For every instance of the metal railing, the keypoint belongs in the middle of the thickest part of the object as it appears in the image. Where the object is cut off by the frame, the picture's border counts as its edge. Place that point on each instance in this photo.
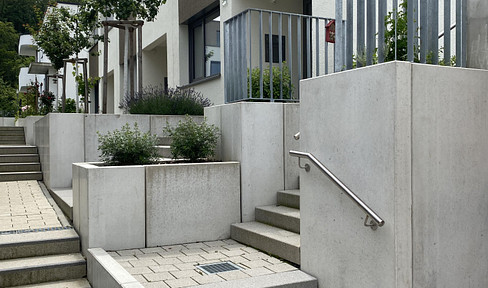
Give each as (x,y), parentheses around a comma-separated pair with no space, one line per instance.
(266,53)
(376,221)
(260,65)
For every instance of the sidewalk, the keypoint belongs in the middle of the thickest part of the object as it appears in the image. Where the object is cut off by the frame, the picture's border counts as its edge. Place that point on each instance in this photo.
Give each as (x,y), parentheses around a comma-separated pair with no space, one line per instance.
(24,208)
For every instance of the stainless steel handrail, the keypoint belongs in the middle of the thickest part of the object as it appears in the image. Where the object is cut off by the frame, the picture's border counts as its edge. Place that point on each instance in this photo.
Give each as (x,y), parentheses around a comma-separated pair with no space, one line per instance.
(376,220)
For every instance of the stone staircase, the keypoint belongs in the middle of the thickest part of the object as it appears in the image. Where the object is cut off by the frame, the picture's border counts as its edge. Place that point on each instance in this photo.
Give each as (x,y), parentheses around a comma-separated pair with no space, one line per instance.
(276,229)
(42,259)
(17,160)
(164,147)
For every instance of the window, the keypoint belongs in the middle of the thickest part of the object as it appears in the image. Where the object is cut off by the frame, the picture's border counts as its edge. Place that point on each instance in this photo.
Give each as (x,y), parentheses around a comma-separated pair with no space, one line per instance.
(205,45)
(276,48)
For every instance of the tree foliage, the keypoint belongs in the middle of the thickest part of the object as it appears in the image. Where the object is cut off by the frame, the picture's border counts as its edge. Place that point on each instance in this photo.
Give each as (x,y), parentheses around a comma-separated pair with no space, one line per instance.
(22,13)
(8,104)
(63,33)
(125,9)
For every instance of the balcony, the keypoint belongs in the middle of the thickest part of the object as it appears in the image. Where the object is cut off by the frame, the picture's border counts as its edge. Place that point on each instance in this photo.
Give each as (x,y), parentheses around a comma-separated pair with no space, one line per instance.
(260,67)
(27,46)
(26,79)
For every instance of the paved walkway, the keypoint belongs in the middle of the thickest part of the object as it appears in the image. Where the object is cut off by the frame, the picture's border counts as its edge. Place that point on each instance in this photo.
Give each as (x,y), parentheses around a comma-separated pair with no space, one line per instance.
(175,266)
(24,207)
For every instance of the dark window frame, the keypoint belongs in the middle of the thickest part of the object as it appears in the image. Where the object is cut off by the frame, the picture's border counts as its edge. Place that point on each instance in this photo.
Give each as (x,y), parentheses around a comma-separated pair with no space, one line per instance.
(194,22)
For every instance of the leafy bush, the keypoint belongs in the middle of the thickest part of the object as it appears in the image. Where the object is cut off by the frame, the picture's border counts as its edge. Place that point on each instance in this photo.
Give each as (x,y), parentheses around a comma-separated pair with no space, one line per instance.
(287,86)
(127,146)
(69,106)
(193,141)
(161,101)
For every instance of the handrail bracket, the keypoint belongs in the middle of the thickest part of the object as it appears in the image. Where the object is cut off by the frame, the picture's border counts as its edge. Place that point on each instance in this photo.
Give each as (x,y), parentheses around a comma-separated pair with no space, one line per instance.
(306,167)
(372,224)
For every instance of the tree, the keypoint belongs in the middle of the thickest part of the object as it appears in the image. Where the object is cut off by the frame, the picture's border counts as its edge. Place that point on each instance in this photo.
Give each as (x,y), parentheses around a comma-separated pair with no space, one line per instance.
(21,13)
(8,104)
(10,61)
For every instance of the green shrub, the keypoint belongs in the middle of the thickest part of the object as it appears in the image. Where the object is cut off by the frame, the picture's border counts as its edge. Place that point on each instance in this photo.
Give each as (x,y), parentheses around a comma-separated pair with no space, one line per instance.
(128,146)
(287,86)
(193,141)
(160,101)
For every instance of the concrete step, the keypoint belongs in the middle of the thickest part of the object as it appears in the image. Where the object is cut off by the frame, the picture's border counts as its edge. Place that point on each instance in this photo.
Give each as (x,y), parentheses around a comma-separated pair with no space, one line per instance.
(39,244)
(32,270)
(19,158)
(273,240)
(165,141)
(20,176)
(11,129)
(12,140)
(18,149)
(75,283)
(64,198)
(279,216)
(164,151)
(289,198)
(19,167)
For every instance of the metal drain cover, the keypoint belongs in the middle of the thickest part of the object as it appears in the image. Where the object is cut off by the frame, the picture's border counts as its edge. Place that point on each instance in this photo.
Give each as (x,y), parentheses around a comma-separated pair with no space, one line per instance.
(218,267)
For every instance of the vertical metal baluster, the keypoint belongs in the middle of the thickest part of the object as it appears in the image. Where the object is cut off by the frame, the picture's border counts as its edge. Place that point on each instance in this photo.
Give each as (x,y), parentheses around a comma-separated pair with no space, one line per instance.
(243,71)
(231,53)
(309,50)
(226,58)
(270,41)
(447,32)
(344,26)
(370,31)
(326,57)
(261,54)
(290,60)
(299,47)
(317,48)
(349,33)
(395,16)
(416,28)
(464,31)
(237,63)
(280,52)
(249,69)
(360,31)
(410,32)
(338,49)
(423,31)
(434,40)
(381,30)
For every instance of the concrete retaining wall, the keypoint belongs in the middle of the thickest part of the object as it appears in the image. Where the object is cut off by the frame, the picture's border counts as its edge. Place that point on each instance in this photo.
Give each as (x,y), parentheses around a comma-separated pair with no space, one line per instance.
(126,207)
(410,140)
(259,136)
(64,139)
(7,121)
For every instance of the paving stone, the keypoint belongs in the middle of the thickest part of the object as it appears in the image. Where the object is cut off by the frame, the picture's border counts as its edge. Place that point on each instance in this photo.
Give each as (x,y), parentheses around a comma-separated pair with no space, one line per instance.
(165,261)
(230,241)
(257,271)
(125,264)
(283,267)
(233,275)
(184,274)
(213,256)
(152,256)
(138,270)
(256,256)
(215,243)
(189,252)
(255,263)
(171,253)
(153,277)
(139,263)
(232,253)
(193,258)
(186,266)
(174,247)
(214,249)
(207,279)
(163,268)
(184,282)
(195,245)
(129,252)
(152,250)
(234,246)
(140,278)
(159,284)
(237,259)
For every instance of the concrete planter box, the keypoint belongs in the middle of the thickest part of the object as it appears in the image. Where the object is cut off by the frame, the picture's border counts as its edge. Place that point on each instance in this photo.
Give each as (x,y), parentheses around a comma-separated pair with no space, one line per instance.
(108,206)
(125,207)
(191,202)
